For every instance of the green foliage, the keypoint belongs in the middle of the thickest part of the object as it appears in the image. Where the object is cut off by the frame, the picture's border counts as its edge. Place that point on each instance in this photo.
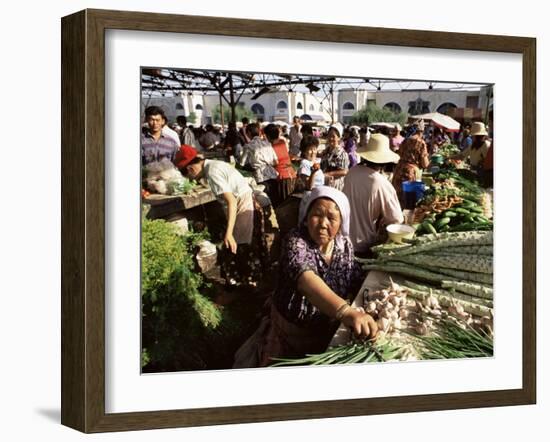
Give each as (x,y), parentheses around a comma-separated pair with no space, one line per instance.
(180,187)
(374,114)
(145,359)
(192,118)
(240,113)
(176,316)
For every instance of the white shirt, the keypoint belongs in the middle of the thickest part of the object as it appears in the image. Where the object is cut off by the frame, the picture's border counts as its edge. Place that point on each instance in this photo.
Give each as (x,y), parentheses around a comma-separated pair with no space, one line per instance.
(477,156)
(188,137)
(262,158)
(305,169)
(295,139)
(171,133)
(374,204)
(224,178)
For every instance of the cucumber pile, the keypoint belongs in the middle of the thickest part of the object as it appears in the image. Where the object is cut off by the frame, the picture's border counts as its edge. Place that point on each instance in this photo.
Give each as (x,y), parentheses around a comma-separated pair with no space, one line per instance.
(465,210)
(465,216)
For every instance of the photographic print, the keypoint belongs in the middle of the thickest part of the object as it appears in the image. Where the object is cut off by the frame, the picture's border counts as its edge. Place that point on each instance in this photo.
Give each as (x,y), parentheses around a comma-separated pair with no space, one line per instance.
(294,220)
(289,217)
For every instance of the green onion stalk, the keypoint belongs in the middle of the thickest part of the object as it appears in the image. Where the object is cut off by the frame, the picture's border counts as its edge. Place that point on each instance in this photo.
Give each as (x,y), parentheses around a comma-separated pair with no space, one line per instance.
(353,352)
(454,341)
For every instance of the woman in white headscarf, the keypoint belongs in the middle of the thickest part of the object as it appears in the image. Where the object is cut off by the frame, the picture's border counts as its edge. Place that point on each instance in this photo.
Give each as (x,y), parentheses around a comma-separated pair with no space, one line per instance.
(318,278)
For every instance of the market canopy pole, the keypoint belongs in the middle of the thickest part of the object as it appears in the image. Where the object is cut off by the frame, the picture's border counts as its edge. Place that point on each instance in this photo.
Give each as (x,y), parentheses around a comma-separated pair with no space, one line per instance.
(232,103)
(332,103)
(489,95)
(221,109)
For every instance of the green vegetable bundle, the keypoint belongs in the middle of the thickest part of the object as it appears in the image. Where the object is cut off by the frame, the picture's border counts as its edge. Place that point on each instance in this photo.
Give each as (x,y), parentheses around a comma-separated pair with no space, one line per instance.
(180,187)
(466,216)
(176,316)
(454,341)
(448,150)
(470,214)
(352,353)
(427,258)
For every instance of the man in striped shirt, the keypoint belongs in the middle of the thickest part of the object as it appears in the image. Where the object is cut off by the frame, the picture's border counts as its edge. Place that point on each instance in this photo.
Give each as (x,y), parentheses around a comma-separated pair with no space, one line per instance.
(155,145)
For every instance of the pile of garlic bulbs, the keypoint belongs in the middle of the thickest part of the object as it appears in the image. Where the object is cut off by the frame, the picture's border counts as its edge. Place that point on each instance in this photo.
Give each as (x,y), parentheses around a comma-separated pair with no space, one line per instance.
(390,308)
(395,309)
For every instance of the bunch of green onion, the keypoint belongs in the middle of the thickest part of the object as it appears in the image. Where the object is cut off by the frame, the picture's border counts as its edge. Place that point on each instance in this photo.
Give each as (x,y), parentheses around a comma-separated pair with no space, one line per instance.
(380,350)
(454,341)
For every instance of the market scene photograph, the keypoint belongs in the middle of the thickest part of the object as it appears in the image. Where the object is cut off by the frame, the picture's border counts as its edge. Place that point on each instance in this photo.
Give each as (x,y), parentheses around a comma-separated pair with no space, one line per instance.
(295,220)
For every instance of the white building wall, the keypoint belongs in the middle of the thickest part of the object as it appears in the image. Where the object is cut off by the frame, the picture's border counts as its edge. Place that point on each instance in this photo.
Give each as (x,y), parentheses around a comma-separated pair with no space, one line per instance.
(271,113)
(269,103)
(168,104)
(435,98)
(355,99)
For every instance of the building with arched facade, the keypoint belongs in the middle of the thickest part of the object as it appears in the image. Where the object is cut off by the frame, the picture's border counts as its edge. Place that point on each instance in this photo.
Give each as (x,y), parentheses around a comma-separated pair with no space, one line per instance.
(284,105)
(276,106)
(460,104)
(181,104)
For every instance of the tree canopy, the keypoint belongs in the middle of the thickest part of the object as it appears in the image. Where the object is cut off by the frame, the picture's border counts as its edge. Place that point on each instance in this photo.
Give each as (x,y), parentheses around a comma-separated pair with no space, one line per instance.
(240,113)
(375,114)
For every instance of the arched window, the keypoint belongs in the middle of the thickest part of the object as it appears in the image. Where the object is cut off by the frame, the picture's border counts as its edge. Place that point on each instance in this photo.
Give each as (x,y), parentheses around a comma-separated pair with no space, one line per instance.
(348,106)
(446,107)
(311,107)
(282,105)
(198,107)
(179,106)
(258,109)
(394,107)
(419,106)
(299,106)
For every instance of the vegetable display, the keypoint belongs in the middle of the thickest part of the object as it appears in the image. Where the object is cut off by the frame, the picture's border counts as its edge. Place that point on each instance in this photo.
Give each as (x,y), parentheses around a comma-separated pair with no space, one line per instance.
(414,323)
(175,312)
(448,150)
(427,258)
(454,341)
(351,353)
(443,304)
(454,202)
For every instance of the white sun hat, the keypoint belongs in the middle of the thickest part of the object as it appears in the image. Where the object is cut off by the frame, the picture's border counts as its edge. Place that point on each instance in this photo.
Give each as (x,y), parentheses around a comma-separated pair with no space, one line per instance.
(378,150)
(478,128)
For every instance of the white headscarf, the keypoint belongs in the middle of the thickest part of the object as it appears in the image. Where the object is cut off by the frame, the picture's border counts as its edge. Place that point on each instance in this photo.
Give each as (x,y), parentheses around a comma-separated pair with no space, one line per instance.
(335,195)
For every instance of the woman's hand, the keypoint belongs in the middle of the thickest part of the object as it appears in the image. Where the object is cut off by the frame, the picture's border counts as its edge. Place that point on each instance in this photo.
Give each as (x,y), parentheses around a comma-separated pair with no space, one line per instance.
(230,243)
(229,240)
(362,324)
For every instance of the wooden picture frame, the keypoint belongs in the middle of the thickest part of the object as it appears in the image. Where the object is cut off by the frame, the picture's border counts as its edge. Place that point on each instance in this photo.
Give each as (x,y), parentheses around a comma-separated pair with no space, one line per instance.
(83,216)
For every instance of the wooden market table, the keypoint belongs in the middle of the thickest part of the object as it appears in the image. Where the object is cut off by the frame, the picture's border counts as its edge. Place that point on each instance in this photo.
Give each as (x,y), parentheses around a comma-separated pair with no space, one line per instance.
(165,205)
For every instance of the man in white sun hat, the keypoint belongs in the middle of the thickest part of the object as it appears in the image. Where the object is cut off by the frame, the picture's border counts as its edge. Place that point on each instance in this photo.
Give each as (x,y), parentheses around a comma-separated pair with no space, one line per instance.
(373,200)
(477,151)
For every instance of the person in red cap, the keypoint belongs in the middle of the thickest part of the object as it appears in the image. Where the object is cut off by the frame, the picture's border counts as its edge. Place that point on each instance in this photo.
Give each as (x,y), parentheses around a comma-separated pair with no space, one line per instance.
(245,253)
(184,156)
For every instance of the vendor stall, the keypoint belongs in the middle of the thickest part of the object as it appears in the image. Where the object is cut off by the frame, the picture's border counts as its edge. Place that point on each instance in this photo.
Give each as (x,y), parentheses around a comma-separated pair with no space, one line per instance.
(439,120)
(431,294)
(163,206)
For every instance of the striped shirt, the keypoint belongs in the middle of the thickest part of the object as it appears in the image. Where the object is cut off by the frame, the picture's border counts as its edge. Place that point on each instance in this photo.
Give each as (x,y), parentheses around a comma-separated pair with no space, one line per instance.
(156,150)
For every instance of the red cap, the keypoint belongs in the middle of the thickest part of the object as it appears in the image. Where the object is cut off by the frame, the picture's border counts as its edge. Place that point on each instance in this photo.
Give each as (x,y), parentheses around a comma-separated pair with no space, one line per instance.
(184,156)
